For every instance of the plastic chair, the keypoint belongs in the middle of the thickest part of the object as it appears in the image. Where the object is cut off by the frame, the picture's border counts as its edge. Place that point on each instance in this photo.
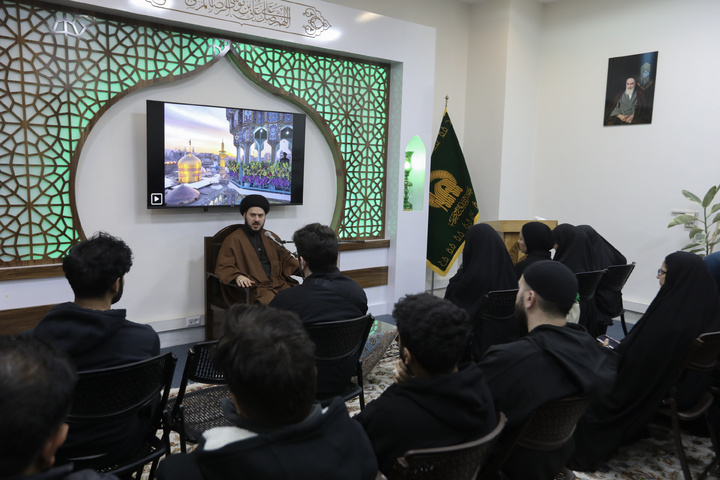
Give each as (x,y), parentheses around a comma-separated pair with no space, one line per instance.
(114,394)
(215,304)
(194,412)
(614,280)
(495,325)
(547,429)
(340,342)
(457,462)
(702,357)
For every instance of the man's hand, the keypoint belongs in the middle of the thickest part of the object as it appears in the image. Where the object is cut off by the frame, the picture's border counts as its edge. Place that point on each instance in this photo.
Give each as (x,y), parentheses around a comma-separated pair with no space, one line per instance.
(402,372)
(622,118)
(630,118)
(243,281)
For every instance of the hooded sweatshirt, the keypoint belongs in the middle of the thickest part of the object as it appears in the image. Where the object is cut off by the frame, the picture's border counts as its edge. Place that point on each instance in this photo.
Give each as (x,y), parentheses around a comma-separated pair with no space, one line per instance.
(97,339)
(427,413)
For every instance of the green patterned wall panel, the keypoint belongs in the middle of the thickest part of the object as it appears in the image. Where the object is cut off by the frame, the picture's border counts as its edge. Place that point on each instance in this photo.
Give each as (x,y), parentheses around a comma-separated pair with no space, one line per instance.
(61,70)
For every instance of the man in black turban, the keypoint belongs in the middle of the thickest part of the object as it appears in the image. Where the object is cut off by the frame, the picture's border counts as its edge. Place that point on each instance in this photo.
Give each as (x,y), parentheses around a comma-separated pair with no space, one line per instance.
(254,257)
(554,360)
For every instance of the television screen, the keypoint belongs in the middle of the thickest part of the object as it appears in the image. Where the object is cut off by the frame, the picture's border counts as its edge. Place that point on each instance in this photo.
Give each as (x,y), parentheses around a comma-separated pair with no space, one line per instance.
(205,156)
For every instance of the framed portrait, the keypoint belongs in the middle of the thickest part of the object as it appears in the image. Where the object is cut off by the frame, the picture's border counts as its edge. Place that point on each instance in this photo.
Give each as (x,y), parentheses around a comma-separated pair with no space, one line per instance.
(630,91)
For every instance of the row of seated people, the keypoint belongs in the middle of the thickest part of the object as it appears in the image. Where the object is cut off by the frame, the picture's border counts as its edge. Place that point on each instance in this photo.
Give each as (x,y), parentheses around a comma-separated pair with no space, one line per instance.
(102,253)
(486,266)
(281,431)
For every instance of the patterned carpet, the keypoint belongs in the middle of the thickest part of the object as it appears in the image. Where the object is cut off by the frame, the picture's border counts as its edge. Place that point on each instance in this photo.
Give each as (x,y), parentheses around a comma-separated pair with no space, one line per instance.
(650,459)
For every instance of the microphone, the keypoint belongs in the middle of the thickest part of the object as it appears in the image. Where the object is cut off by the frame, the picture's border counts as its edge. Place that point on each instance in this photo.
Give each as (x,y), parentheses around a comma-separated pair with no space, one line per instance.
(279,242)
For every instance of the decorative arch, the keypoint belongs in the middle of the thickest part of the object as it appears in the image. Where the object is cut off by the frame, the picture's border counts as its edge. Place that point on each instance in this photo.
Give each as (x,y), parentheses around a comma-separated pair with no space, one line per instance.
(66,68)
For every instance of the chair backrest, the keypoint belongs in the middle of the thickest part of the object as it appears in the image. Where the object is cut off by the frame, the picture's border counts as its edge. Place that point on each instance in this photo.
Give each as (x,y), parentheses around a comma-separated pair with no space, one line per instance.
(118,392)
(200,366)
(338,339)
(212,248)
(551,425)
(499,304)
(457,462)
(703,353)
(616,277)
(588,283)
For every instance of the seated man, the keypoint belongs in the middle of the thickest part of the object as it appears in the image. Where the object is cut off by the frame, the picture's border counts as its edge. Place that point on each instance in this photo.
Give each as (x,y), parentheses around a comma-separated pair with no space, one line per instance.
(95,335)
(281,432)
(433,403)
(324,295)
(555,360)
(37,383)
(254,257)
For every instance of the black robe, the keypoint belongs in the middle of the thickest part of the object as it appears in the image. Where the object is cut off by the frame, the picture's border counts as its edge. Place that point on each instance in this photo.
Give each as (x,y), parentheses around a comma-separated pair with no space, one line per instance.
(486,267)
(608,302)
(538,241)
(548,364)
(573,248)
(686,306)
(574,251)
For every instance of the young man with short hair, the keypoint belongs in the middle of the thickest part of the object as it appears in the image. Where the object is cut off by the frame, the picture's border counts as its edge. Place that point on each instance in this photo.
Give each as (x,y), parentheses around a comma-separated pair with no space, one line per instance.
(280,431)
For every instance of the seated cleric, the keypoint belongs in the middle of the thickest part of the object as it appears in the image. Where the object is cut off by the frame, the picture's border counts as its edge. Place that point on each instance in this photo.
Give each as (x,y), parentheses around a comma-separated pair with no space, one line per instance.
(254,257)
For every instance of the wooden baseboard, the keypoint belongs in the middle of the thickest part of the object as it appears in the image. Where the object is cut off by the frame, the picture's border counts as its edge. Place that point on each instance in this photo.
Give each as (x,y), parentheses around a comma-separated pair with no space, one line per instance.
(18,320)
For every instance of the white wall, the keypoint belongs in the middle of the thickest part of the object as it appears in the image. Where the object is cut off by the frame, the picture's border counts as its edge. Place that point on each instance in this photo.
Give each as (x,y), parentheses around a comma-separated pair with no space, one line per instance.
(625,180)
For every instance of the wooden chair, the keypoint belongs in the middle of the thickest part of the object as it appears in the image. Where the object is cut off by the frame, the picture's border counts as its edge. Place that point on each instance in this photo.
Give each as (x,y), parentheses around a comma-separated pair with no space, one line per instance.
(457,462)
(215,304)
(614,280)
(341,342)
(109,395)
(702,357)
(194,412)
(547,429)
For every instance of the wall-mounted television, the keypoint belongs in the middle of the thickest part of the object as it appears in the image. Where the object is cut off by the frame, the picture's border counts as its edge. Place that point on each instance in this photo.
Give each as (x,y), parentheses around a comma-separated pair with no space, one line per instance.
(212,157)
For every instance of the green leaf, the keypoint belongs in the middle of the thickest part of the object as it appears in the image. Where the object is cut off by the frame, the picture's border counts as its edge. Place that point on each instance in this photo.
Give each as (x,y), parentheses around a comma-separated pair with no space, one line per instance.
(691,196)
(716,219)
(700,238)
(695,230)
(715,208)
(709,196)
(681,220)
(695,250)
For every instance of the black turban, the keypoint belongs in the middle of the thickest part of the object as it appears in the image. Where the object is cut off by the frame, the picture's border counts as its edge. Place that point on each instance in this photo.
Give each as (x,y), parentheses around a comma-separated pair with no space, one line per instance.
(553,281)
(254,201)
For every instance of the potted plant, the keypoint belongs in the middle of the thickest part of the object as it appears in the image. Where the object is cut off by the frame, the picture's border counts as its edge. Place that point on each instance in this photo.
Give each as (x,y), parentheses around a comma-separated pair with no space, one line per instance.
(702,240)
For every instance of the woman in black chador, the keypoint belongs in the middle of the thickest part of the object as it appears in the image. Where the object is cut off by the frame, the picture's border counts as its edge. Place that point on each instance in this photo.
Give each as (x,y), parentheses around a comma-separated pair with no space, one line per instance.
(604,255)
(486,266)
(572,248)
(686,306)
(536,240)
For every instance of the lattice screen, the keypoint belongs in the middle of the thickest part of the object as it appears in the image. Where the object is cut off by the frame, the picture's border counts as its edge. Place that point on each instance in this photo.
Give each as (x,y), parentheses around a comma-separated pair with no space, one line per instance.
(63,70)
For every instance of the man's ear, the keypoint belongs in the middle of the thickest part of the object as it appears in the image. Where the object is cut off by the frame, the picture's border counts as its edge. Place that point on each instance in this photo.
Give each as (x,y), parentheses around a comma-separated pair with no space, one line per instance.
(237,406)
(115,286)
(407,356)
(46,457)
(530,299)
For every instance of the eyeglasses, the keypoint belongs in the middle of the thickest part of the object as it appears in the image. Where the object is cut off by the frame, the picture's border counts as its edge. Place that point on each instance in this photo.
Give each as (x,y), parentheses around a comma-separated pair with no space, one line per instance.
(661,272)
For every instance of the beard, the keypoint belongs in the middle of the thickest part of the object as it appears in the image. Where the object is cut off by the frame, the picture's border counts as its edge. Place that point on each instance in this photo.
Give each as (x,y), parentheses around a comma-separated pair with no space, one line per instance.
(521,318)
(629,92)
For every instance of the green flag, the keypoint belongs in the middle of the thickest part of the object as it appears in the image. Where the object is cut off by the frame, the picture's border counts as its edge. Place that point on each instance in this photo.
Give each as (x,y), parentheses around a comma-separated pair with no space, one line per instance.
(453,208)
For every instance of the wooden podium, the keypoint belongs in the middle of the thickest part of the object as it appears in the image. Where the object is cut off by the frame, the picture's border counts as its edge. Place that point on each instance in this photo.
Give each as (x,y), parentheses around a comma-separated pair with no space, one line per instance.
(509,231)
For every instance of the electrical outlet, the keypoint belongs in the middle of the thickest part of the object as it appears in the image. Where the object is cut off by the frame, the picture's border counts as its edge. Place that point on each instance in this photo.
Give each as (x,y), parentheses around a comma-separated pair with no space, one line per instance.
(192,321)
